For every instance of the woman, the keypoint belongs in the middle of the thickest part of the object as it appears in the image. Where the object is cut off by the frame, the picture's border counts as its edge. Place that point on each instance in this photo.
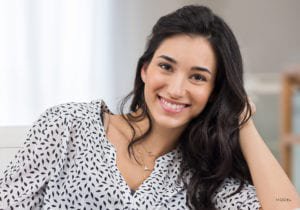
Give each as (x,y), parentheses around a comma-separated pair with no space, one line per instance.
(188,141)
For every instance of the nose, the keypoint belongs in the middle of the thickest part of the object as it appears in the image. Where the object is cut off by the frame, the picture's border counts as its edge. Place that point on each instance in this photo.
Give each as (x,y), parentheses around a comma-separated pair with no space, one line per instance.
(176,86)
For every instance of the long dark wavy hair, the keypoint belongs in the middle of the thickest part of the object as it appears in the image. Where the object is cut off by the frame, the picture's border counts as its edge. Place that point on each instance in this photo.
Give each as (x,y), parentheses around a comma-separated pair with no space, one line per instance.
(210,143)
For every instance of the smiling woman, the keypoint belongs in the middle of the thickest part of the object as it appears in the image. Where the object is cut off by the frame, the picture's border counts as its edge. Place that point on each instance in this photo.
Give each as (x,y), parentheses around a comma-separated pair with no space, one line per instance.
(187,142)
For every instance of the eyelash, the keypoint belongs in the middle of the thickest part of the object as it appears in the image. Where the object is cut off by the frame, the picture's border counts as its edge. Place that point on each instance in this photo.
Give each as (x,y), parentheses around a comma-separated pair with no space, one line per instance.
(165,66)
(168,67)
(200,77)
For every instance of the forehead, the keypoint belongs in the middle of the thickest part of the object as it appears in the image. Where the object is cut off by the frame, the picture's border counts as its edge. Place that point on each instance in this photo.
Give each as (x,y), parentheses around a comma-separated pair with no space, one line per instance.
(188,50)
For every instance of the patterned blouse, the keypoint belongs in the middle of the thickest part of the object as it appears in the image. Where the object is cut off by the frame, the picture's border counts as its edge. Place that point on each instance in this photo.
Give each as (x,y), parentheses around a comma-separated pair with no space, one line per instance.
(67,162)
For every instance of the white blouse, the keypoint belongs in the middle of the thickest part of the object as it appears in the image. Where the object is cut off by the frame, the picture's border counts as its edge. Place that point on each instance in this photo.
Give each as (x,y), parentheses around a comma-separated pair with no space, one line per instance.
(67,162)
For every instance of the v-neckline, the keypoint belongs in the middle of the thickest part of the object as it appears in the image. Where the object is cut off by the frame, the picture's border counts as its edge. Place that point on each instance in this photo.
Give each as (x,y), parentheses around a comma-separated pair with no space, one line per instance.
(119,173)
(115,165)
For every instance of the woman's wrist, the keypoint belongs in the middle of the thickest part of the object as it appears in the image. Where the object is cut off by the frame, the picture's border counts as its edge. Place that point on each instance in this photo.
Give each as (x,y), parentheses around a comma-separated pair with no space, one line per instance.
(249,137)
(247,129)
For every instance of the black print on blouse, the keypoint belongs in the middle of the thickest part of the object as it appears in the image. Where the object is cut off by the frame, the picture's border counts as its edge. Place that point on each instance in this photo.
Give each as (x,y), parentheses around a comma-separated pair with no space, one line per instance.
(68,163)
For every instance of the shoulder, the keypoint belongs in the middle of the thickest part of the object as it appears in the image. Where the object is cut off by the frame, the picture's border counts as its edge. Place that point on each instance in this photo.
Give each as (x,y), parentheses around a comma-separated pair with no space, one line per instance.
(77,109)
(59,126)
(61,119)
(246,198)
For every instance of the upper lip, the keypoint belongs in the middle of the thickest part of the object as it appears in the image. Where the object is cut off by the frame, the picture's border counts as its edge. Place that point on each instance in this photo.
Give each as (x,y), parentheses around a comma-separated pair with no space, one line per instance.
(174,102)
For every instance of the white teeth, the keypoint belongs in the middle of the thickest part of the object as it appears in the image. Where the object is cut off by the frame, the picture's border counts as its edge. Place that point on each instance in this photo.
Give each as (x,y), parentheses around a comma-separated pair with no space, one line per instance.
(172,106)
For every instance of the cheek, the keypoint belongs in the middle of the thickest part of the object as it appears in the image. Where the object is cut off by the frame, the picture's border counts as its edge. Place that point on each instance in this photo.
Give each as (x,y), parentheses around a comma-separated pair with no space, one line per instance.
(152,85)
(201,98)
(155,82)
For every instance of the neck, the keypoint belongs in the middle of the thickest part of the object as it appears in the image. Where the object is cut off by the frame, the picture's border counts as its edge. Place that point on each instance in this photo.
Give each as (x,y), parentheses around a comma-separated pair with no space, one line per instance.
(161,140)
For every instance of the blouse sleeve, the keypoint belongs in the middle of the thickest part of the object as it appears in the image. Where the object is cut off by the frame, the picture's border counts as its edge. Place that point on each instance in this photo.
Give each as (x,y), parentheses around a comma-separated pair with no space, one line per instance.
(243,200)
(25,178)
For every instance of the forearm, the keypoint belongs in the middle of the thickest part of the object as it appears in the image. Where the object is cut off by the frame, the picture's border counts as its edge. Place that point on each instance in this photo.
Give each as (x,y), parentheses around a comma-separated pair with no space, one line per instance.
(274,189)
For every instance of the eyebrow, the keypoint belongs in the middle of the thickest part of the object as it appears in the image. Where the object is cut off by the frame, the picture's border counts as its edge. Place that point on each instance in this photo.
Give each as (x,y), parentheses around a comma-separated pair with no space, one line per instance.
(172,60)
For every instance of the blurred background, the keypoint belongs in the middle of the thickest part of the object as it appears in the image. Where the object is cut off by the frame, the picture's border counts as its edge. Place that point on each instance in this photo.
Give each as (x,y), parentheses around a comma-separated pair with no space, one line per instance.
(57,51)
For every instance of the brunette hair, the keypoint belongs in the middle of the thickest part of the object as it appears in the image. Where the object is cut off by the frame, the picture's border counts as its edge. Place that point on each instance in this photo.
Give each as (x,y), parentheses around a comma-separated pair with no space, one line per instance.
(210,143)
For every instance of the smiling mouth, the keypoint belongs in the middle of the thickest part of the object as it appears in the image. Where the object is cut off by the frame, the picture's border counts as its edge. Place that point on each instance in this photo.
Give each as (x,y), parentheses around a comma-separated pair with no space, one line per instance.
(171,106)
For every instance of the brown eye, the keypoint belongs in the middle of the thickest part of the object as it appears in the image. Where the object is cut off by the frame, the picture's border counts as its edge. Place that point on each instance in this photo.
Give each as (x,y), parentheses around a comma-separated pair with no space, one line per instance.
(165,66)
(199,77)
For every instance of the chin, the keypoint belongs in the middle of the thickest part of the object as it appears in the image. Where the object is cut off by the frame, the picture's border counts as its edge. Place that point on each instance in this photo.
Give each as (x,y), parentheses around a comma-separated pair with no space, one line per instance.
(170,123)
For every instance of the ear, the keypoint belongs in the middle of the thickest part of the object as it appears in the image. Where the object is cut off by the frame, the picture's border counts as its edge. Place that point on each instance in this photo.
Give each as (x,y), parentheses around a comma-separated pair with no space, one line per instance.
(144,72)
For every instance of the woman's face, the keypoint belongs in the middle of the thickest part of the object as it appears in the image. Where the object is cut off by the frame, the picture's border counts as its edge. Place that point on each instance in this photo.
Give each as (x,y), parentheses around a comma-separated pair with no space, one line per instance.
(179,80)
